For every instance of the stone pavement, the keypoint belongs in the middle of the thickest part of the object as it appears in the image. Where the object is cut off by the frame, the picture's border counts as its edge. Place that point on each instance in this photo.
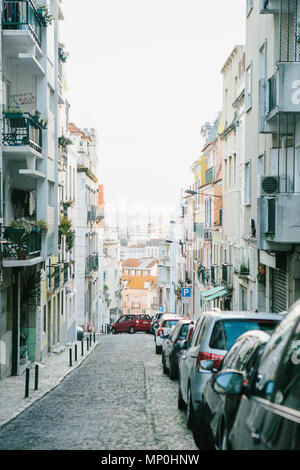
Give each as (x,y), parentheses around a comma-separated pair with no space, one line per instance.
(52,370)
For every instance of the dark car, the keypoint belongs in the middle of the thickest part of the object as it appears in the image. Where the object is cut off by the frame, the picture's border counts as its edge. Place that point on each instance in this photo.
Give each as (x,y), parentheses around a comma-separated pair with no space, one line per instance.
(80,333)
(155,322)
(215,415)
(132,323)
(172,347)
(268,417)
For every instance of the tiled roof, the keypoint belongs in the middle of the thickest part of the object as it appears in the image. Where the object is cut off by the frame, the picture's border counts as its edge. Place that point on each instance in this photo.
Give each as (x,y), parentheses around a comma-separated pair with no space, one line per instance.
(138,282)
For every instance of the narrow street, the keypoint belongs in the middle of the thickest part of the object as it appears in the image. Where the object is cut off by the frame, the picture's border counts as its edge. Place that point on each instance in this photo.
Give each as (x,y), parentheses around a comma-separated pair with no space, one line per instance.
(118,399)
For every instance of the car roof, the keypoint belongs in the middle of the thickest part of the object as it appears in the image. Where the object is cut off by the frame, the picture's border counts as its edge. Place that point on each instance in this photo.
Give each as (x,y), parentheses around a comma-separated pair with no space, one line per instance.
(235,315)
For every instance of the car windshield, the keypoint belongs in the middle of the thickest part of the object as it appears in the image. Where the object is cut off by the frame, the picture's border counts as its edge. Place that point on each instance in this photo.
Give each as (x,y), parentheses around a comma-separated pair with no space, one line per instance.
(226,332)
(169,323)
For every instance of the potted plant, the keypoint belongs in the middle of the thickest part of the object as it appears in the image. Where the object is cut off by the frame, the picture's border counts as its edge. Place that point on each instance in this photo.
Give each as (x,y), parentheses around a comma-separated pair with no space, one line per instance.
(14,112)
(64,225)
(36,117)
(64,141)
(244,269)
(70,238)
(17,235)
(40,224)
(261,274)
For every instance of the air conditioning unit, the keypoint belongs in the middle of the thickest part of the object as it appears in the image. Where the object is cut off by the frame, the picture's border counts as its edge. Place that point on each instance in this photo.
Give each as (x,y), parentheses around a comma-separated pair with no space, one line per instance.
(268,185)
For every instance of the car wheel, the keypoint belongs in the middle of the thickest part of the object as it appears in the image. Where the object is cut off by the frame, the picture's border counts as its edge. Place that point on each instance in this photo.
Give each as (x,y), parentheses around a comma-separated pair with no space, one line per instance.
(189,410)
(131,330)
(165,370)
(173,371)
(201,433)
(180,402)
(113,331)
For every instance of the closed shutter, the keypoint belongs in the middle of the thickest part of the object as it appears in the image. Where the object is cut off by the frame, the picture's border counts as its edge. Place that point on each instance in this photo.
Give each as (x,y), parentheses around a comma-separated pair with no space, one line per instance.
(279,291)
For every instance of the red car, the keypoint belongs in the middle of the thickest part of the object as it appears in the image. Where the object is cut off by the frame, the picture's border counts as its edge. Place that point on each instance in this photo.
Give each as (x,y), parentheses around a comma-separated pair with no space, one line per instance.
(132,323)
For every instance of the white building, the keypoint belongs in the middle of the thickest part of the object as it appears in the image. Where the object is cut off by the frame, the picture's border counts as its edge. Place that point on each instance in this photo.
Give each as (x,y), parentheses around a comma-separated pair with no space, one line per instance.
(112,274)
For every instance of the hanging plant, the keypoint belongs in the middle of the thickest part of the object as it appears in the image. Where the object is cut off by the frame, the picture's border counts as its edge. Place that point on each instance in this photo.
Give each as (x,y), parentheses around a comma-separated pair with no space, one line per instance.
(70,238)
(40,224)
(62,54)
(64,141)
(36,117)
(44,15)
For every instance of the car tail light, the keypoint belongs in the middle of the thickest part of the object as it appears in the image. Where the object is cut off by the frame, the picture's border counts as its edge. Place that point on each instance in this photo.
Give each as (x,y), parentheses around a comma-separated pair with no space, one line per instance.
(160,332)
(137,321)
(203,356)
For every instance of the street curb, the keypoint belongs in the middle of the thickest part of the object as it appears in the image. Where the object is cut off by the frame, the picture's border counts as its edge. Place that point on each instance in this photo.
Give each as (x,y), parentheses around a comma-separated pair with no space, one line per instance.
(35,400)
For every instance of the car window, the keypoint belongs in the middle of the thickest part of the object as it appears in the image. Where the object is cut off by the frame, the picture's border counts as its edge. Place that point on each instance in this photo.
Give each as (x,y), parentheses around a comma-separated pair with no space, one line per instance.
(225,332)
(287,383)
(145,317)
(122,319)
(138,317)
(183,331)
(169,323)
(231,355)
(198,331)
(271,357)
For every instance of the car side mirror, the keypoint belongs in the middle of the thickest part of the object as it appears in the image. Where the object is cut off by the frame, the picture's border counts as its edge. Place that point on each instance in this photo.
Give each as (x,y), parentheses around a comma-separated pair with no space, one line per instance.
(228,383)
(186,345)
(207,365)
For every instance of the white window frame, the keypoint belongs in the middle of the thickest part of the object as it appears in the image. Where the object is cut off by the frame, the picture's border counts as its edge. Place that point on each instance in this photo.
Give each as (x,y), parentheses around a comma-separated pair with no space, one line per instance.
(248,183)
(249,6)
(248,87)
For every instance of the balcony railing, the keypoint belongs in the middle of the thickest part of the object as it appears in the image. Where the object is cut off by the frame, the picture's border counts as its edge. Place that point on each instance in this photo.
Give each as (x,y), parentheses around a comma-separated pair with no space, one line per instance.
(21,130)
(66,273)
(91,263)
(22,245)
(210,175)
(20,15)
(57,277)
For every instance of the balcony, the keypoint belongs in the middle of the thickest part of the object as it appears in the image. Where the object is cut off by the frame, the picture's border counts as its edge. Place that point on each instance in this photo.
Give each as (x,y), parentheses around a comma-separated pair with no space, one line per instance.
(278,229)
(22,249)
(210,175)
(21,134)
(207,235)
(22,26)
(283,90)
(91,264)
(66,273)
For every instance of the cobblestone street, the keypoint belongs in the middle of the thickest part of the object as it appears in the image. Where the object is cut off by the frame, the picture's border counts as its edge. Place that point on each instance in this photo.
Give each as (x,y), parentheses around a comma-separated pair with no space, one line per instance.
(118,399)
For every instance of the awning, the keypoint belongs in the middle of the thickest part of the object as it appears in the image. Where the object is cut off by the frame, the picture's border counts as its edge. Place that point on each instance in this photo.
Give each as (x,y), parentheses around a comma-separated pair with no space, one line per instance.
(211,294)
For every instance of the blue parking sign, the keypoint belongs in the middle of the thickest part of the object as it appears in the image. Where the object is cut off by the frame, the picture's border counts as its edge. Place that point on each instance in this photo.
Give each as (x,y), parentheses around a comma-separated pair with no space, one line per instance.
(160,309)
(186,292)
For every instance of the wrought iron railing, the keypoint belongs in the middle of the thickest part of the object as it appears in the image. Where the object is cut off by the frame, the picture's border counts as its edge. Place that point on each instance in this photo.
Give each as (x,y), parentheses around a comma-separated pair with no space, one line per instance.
(272,92)
(21,129)
(22,15)
(22,245)
(66,273)
(57,276)
(91,263)
(210,175)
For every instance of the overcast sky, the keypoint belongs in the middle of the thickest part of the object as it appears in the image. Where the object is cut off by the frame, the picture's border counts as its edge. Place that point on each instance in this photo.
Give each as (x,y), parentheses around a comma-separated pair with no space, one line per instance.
(146,75)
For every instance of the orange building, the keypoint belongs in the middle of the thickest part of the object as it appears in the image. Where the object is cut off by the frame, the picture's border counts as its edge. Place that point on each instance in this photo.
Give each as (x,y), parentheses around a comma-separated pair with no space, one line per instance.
(139,279)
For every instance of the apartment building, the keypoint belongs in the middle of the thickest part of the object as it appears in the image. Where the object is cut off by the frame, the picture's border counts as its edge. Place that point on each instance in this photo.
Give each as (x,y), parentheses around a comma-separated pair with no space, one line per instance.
(35,266)
(272,183)
(112,274)
(88,215)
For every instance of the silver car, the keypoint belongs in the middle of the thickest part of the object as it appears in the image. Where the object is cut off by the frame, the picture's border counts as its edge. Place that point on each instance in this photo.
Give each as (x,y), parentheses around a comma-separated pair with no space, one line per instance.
(214,334)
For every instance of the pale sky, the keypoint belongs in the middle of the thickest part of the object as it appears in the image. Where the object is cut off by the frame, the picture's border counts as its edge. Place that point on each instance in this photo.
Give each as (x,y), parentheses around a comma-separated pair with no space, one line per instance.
(146,75)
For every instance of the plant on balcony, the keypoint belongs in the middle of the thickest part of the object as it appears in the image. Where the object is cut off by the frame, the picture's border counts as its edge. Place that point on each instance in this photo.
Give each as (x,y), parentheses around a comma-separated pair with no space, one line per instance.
(14,112)
(44,15)
(64,225)
(244,269)
(64,141)
(68,203)
(40,224)
(62,54)
(270,235)
(70,238)
(36,117)
(261,274)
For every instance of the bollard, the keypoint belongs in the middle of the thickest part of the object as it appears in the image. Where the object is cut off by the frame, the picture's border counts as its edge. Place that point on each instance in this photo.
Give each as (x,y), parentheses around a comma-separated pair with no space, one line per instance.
(70,356)
(75,352)
(27,382)
(87,343)
(90,339)
(36,377)
(82,353)
(94,337)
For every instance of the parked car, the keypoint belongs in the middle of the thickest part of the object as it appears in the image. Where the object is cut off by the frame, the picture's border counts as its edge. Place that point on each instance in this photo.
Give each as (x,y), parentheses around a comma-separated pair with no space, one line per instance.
(155,321)
(166,322)
(80,333)
(132,323)
(214,335)
(172,347)
(268,417)
(215,415)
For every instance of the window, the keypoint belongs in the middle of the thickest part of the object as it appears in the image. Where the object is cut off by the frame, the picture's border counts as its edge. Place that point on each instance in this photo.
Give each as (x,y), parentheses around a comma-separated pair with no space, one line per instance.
(248,87)
(247,184)
(263,62)
(249,6)
(45,319)
(287,384)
